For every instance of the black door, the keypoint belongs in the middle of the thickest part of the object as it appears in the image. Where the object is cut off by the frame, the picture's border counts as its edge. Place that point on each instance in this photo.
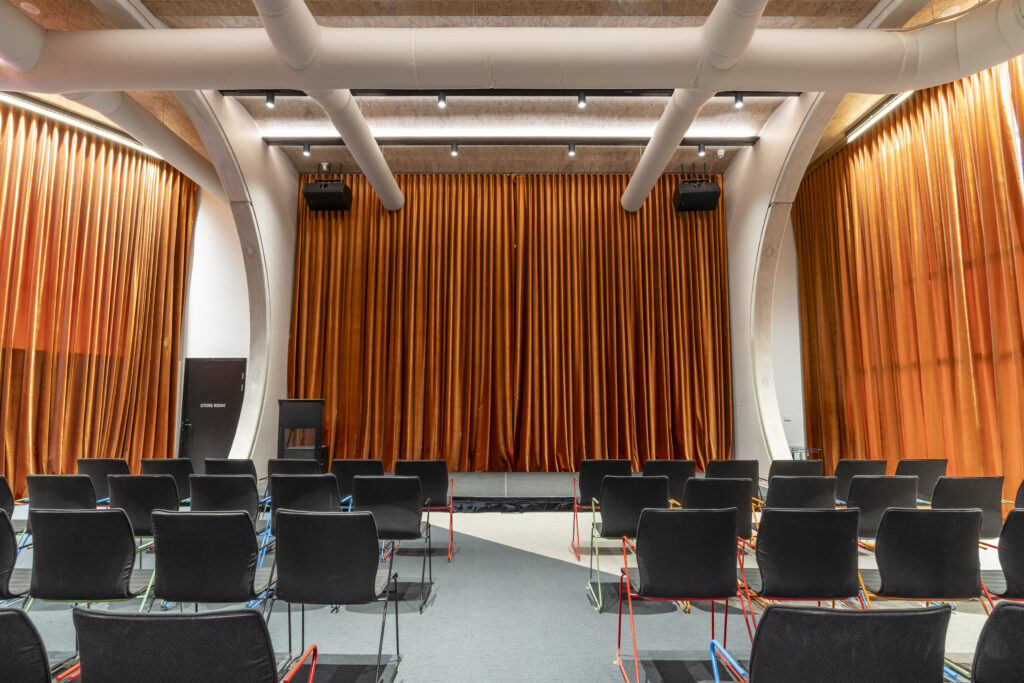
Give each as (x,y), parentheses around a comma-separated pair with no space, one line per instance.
(211,403)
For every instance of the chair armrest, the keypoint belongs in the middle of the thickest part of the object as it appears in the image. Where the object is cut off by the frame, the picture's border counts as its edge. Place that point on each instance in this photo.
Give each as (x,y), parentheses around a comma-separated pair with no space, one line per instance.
(310,651)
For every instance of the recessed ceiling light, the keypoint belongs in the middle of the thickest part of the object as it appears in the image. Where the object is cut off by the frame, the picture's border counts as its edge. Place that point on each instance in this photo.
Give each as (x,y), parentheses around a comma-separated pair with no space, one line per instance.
(29,7)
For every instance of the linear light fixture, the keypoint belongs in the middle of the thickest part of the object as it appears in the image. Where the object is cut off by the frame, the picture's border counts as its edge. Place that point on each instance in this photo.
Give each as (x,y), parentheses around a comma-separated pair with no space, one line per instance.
(72,120)
(876,115)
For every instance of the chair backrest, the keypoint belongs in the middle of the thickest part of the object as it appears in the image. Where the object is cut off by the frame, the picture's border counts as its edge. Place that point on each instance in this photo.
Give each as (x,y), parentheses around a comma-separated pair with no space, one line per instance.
(179,468)
(985,493)
(927,471)
(433,476)
(81,555)
(848,468)
(98,469)
(204,556)
(735,469)
(808,553)
(300,413)
(999,655)
(326,558)
(801,492)
(24,659)
(224,493)
(6,496)
(795,468)
(309,492)
(120,647)
(8,556)
(929,554)
(820,644)
(687,553)
(139,494)
(624,498)
(59,492)
(592,472)
(1018,501)
(395,502)
(873,495)
(717,493)
(230,466)
(292,466)
(1011,553)
(344,470)
(677,471)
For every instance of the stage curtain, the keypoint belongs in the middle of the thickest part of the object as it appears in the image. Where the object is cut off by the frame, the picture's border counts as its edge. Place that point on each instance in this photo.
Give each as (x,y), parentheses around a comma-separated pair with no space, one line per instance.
(513,324)
(912,284)
(94,239)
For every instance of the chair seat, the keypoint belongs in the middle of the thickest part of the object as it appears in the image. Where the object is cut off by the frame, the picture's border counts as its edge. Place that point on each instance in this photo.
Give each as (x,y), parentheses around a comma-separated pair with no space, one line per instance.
(753,574)
(19,583)
(392,535)
(995,582)
(19,525)
(872,579)
(140,580)
(262,580)
(260,525)
(380,582)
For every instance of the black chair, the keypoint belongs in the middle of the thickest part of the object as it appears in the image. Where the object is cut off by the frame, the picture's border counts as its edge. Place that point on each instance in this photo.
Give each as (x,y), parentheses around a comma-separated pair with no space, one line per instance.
(396,504)
(344,470)
(985,493)
(718,493)
(735,469)
(586,488)
(801,492)
(232,645)
(207,557)
(24,657)
(179,468)
(230,466)
(1018,501)
(680,555)
(13,582)
(926,554)
(332,558)
(678,473)
(224,493)
(6,497)
(844,646)
(438,488)
(848,468)
(927,471)
(59,492)
(621,501)
(308,492)
(139,495)
(98,469)
(795,468)
(804,555)
(292,466)
(84,556)
(999,656)
(873,495)
(1007,582)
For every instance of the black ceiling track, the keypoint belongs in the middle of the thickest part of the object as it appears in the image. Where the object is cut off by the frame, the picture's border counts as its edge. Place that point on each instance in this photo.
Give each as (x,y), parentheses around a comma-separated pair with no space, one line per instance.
(477,92)
(579,141)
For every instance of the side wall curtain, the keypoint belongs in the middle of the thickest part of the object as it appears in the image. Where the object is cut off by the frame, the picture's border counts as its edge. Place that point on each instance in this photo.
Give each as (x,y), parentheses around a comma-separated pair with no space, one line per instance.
(912,283)
(514,324)
(94,239)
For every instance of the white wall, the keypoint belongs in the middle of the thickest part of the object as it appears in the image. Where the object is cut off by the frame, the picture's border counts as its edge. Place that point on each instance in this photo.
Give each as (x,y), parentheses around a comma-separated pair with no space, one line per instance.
(217,302)
(786,350)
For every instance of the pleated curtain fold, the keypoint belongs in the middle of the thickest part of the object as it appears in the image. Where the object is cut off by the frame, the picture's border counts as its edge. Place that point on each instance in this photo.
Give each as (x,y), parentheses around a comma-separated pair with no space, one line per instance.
(514,323)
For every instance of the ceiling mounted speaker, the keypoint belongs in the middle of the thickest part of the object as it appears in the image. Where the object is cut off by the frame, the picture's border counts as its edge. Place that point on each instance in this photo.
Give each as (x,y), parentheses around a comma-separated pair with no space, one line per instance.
(696,195)
(324,195)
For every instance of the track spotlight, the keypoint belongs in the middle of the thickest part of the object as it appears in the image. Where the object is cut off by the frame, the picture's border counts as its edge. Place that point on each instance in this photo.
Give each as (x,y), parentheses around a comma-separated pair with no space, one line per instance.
(572,149)
(581,101)
(455,150)
(305,150)
(270,100)
(701,151)
(737,100)
(442,101)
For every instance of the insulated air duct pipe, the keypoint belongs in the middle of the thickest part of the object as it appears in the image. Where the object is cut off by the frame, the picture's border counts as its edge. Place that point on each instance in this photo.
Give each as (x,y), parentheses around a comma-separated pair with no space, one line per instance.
(297,37)
(144,127)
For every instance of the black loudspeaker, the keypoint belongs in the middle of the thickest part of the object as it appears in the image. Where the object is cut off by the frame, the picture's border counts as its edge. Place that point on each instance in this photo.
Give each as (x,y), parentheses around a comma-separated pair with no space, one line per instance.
(696,195)
(327,195)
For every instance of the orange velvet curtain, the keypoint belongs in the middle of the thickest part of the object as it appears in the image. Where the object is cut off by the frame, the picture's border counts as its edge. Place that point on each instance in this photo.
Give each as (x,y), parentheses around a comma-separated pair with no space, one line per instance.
(514,324)
(911,250)
(94,240)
